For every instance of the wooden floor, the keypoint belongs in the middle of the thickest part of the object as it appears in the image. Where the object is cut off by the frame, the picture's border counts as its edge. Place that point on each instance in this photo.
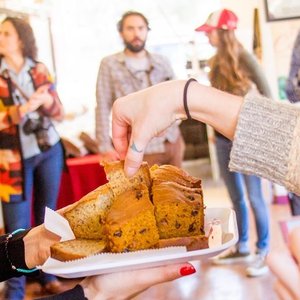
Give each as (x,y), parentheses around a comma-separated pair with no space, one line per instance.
(213,282)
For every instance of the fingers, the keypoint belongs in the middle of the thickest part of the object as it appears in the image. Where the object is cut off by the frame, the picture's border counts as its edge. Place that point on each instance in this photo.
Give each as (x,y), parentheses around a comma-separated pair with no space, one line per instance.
(119,136)
(162,274)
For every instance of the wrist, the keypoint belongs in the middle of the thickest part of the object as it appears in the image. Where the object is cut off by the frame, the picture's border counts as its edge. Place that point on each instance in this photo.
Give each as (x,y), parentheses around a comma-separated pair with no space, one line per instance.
(178,97)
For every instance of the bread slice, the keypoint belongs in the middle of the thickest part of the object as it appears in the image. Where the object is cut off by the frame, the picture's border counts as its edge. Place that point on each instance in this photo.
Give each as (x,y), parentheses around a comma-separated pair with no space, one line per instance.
(130,222)
(171,173)
(86,216)
(119,182)
(75,249)
(179,210)
(191,242)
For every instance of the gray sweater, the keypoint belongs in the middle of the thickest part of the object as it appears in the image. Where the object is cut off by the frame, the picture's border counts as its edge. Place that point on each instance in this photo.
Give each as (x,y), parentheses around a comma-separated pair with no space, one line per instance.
(267,141)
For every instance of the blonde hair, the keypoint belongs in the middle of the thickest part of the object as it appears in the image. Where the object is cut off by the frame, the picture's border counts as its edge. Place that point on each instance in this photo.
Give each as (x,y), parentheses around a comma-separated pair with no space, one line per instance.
(226,72)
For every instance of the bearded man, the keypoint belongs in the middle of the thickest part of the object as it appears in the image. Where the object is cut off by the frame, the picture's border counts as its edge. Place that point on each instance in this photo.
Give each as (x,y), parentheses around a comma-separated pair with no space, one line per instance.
(129,71)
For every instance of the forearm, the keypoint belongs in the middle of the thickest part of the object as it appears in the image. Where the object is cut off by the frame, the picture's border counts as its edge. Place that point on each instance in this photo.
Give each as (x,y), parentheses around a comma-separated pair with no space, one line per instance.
(267,140)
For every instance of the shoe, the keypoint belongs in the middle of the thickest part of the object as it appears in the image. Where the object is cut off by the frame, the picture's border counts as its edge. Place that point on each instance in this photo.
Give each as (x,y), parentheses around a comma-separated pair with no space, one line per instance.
(232,258)
(259,267)
(54,287)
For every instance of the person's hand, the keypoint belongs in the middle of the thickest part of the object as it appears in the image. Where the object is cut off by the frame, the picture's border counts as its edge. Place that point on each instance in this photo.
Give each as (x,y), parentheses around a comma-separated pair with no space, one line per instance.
(110,156)
(127,284)
(37,244)
(41,97)
(137,118)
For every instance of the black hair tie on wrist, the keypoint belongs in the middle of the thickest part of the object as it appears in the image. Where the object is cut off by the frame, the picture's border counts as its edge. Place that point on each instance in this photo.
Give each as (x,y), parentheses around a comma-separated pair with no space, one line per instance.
(187,112)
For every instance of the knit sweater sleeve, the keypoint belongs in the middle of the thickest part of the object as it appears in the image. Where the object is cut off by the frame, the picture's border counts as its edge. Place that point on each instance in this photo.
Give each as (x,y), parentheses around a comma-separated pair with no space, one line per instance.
(267,141)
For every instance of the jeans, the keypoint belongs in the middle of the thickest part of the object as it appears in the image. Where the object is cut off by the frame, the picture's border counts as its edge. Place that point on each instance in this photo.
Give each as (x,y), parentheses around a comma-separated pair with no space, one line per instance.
(294,201)
(236,183)
(42,175)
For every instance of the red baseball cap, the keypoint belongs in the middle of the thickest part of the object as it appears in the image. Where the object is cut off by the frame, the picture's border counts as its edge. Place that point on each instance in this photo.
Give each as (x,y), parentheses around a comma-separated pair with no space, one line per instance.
(220,19)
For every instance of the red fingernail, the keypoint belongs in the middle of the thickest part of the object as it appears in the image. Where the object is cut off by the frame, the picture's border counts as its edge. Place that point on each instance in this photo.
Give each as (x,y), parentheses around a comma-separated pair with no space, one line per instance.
(188,270)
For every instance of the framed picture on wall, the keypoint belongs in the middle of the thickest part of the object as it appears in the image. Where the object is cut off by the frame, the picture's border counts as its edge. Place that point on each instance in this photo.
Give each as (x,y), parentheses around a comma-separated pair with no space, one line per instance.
(277,10)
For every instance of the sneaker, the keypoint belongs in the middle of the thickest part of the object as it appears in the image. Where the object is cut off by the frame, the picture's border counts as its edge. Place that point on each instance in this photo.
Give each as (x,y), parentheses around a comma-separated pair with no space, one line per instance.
(232,258)
(259,266)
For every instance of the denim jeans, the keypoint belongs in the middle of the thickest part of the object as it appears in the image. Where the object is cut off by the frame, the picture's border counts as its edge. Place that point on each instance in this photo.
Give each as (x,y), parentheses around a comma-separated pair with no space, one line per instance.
(42,175)
(236,184)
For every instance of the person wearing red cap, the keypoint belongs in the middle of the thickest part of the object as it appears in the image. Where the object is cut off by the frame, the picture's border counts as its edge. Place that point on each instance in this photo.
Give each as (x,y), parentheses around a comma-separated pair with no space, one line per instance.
(235,71)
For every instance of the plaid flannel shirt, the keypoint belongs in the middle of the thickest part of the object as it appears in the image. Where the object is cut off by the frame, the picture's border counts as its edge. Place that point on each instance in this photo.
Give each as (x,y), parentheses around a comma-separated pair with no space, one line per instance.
(116,80)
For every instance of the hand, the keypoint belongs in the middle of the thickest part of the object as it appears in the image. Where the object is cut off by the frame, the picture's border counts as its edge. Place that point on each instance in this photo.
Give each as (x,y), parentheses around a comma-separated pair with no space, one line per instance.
(110,156)
(140,116)
(127,284)
(37,244)
(40,97)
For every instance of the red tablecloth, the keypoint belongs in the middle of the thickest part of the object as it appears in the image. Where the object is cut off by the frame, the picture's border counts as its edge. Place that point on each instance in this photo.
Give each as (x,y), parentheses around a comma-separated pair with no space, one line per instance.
(84,174)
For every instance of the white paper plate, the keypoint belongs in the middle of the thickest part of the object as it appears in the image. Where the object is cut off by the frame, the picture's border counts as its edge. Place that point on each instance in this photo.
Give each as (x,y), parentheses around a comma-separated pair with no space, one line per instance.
(109,263)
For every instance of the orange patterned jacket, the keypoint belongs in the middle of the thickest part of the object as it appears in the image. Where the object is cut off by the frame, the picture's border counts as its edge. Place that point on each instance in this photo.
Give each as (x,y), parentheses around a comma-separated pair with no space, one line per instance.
(11,176)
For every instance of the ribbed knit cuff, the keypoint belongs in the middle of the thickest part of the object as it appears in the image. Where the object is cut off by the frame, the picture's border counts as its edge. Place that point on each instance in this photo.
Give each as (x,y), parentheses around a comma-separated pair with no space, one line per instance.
(266,139)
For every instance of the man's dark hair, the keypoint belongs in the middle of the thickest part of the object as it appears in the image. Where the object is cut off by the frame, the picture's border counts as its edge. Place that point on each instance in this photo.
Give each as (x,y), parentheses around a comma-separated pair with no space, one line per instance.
(25,34)
(128,14)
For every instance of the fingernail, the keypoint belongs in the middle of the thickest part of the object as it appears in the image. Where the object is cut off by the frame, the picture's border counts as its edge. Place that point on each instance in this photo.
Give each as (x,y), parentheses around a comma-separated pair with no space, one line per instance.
(188,270)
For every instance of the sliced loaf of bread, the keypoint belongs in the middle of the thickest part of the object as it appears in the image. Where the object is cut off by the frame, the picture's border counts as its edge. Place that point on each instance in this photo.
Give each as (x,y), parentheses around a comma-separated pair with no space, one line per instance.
(119,182)
(86,216)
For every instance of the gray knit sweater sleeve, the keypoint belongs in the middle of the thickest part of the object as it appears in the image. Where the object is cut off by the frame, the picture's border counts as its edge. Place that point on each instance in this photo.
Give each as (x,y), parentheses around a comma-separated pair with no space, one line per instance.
(267,141)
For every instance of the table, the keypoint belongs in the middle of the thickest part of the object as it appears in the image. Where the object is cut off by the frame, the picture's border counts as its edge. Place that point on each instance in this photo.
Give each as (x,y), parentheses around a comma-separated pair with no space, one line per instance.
(83,175)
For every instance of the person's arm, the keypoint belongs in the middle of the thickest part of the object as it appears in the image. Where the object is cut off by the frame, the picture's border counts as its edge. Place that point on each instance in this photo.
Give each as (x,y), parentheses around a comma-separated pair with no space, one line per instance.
(266,142)
(162,105)
(104,102)
(12,115)
(24,250)
(124,285)
(256,74)
(293,84)
(52,106)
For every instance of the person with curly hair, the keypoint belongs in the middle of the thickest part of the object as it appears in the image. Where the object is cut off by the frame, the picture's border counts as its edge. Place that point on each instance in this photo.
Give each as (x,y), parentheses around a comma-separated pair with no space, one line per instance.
(31,152)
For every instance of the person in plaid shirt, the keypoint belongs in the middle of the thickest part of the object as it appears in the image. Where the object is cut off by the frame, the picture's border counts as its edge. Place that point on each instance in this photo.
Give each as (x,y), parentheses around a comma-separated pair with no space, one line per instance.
(129,71)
